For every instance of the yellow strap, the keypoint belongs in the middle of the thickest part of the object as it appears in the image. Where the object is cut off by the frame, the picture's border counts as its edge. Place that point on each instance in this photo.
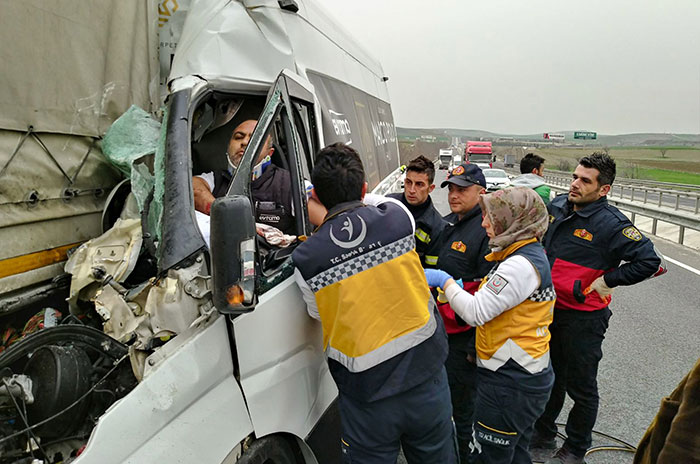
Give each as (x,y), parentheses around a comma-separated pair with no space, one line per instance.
(31,261)
(496,430)
(432,260)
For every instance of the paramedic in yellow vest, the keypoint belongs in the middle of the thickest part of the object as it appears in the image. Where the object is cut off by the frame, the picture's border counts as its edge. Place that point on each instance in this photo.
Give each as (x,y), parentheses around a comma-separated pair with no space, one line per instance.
(512,311)
(361,277)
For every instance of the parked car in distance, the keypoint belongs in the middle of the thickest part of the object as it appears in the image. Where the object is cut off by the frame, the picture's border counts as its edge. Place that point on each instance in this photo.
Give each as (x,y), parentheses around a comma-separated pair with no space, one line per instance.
(496,179)
(483,166)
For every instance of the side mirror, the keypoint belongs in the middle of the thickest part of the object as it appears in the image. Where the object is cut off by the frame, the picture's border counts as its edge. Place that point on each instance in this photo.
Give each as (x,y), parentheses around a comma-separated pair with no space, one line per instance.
(232,249)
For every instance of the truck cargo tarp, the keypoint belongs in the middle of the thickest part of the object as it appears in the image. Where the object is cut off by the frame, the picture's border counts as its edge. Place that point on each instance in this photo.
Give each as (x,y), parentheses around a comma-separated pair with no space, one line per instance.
(74,66)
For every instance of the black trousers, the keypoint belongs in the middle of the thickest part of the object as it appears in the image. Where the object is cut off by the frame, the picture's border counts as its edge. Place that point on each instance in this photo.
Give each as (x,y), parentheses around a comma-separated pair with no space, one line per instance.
(504,418)
(576,351)
(417,420)
(461,375)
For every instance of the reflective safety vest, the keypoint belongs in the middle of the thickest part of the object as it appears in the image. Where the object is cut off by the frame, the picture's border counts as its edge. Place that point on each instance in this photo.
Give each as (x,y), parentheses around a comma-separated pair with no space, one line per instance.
(377,313)
(522,332)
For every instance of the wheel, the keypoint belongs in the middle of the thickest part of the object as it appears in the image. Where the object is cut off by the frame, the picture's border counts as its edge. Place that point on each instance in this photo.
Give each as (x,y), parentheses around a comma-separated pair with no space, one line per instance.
(269,450)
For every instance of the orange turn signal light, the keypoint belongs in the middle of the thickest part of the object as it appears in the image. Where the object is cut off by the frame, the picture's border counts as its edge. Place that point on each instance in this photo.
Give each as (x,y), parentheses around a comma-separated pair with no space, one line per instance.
(234,295)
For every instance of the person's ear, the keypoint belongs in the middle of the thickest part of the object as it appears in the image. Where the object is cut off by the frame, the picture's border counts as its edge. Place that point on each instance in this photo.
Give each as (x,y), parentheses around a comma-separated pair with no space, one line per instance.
(604,190)
(431,188)
(364,190)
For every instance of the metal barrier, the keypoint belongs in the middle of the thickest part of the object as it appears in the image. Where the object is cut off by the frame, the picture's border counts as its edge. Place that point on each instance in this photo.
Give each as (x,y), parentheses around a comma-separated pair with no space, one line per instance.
(641,182)
(678,199)
(682,219)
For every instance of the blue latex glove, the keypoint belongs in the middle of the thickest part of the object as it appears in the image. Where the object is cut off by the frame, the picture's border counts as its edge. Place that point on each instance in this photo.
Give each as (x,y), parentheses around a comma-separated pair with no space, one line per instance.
(437,278)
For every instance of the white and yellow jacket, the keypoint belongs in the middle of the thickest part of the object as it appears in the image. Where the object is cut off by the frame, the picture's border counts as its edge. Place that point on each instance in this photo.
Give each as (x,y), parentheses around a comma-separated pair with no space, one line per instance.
(512,309)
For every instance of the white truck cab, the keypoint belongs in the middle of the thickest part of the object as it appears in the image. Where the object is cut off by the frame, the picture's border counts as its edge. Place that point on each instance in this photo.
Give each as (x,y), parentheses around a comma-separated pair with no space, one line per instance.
(169,350)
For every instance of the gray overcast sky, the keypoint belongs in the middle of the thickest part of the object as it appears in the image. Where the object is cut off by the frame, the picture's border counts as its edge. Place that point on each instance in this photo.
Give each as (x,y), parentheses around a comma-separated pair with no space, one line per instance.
(523,67)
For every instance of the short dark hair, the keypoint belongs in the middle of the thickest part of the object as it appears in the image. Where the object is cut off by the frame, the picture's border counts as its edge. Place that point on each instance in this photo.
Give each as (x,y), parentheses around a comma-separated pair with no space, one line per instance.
(338,175)
(529,162)
(603,163)
(422,165)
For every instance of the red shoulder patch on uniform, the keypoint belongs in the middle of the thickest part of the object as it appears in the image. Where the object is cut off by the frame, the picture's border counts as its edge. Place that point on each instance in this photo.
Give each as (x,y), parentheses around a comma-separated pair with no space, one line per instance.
(584,234)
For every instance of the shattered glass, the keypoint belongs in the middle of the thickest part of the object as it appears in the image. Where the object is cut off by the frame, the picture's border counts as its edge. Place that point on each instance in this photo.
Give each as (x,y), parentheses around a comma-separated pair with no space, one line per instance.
(128,143)
(132,136)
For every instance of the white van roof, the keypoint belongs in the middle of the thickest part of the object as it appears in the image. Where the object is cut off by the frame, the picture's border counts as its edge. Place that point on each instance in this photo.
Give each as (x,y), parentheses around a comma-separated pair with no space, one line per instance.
(253,40)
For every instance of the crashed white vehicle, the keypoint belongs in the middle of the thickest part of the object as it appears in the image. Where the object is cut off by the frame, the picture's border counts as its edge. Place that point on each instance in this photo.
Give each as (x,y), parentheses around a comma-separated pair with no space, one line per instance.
(146,345)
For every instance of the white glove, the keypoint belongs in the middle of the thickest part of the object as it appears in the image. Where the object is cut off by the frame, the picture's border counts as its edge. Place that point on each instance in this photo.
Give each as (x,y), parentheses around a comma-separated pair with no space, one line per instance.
(601,288)
(274,236)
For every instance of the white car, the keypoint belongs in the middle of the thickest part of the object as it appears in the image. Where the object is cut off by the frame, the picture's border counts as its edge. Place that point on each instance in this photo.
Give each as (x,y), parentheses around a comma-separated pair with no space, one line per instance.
(496,179)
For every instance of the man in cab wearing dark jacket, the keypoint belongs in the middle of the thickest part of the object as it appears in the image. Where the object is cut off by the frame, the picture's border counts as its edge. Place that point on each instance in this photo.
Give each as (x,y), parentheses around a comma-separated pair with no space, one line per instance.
(271,186)
(586,241)
(420,174)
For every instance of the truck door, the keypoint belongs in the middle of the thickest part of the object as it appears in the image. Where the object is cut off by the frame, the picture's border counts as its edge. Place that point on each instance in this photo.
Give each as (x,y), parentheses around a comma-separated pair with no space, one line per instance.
(282,366)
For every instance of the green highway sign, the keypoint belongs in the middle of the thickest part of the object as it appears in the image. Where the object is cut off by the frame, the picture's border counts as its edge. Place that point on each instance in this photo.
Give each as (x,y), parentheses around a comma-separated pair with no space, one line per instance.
(585,135)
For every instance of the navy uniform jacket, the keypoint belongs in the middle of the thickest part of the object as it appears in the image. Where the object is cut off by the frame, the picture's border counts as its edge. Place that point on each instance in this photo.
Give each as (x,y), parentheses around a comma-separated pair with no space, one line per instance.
(585,244)
(461,250)
(463,245)
(429,225)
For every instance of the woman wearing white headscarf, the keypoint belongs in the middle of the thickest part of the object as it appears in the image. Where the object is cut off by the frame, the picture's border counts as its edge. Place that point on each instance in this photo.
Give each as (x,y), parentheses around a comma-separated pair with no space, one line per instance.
(512,311)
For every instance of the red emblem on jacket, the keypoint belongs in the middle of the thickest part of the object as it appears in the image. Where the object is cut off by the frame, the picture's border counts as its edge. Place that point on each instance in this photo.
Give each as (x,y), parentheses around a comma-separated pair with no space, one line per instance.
(584,234)
(459,246)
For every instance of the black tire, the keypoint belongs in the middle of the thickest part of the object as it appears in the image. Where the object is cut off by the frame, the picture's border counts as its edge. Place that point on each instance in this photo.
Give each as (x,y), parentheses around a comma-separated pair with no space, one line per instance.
(269,450)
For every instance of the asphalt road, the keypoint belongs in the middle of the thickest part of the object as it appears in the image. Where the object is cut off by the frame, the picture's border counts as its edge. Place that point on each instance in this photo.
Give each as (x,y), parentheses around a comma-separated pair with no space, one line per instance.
(652,342)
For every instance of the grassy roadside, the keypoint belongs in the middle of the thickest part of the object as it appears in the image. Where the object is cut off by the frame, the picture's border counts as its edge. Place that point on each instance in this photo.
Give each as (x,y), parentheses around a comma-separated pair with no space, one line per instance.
(663,164)
(664,175)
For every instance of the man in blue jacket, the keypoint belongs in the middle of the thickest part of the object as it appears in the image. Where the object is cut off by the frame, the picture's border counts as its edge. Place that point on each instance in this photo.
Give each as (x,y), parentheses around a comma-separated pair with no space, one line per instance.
(361,277)
(586,241)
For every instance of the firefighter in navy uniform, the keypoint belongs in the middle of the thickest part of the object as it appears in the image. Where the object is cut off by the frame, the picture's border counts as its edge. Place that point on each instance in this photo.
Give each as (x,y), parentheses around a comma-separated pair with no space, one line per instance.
(586,241)
(461,253)
(270,186)
(361,277)
(420,174)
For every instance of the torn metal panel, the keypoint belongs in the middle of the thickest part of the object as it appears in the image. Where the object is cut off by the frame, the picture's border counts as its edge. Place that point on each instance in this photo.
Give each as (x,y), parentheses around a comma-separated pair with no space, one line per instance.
(120,322)
(174,303)
(113,253)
